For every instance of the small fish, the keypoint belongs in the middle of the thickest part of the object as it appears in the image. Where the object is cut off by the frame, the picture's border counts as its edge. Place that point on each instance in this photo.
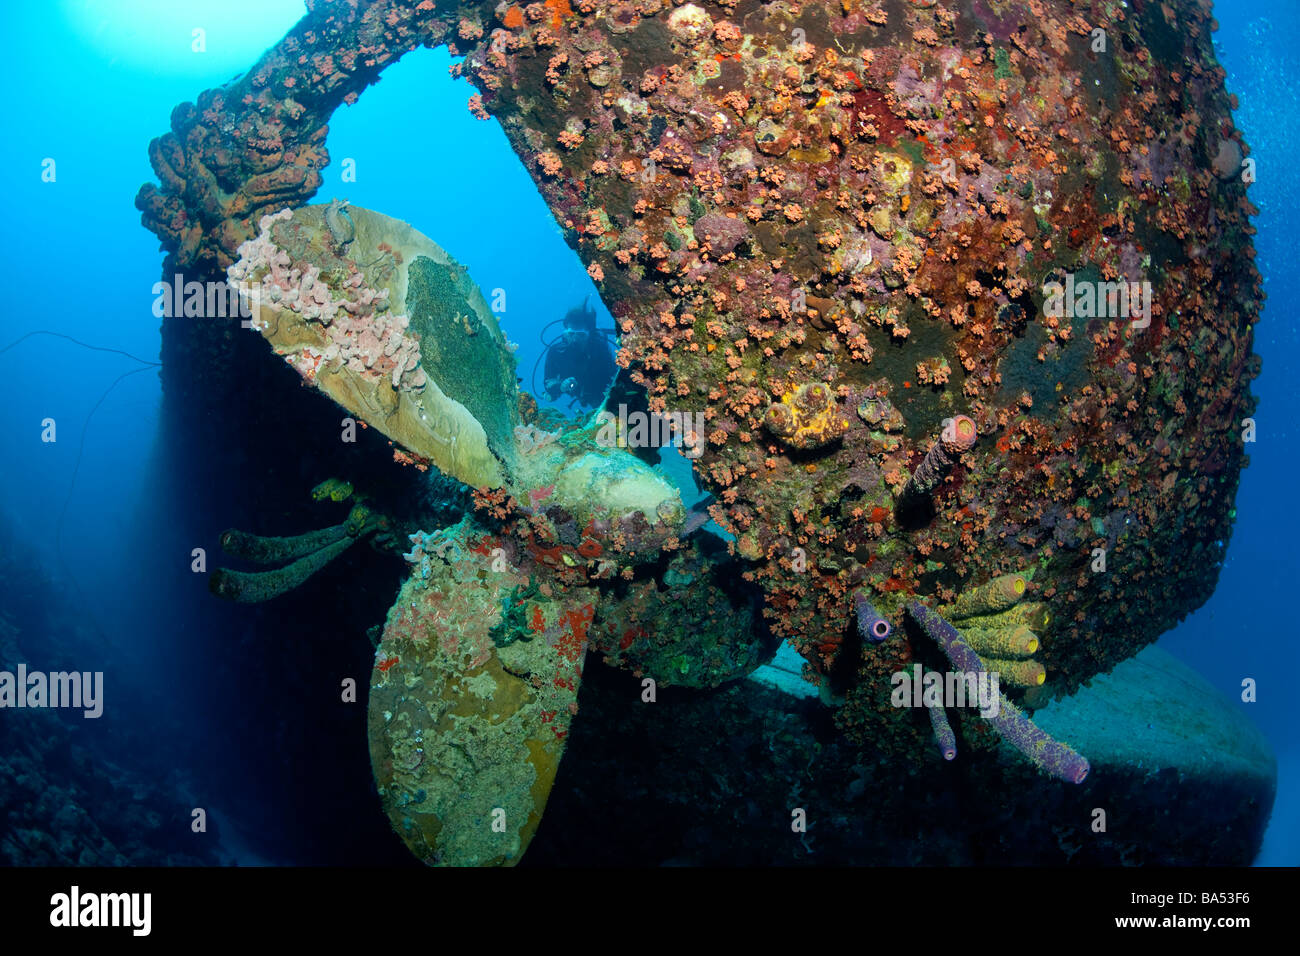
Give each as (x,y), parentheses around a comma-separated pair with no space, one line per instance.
(697,517)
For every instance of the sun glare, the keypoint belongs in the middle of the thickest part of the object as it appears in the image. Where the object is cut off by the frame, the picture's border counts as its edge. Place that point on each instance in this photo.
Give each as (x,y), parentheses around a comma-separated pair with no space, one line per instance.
(195,36)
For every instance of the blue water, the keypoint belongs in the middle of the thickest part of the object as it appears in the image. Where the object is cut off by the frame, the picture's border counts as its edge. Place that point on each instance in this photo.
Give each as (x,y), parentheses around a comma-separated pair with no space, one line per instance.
(98,81)
(1246,630)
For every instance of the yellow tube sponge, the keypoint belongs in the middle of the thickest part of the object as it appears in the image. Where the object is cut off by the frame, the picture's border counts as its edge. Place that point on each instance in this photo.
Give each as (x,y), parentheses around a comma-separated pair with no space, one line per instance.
(1030,614)
(990,597)
(1016,642)
(1016,673)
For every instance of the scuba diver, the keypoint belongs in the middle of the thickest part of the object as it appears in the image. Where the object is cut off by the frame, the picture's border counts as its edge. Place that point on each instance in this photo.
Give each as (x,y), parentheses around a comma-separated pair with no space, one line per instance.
(578,362)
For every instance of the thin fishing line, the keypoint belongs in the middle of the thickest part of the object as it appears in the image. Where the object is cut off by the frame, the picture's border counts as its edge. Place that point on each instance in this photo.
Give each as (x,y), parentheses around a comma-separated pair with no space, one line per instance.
(81,449)
(84,345)
(67,502)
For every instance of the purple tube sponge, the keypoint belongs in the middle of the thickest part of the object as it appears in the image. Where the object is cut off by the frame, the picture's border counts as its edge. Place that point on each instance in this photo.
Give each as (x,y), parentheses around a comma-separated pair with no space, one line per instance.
(872,625)
(943,734)
(958,435)
(1051,756)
